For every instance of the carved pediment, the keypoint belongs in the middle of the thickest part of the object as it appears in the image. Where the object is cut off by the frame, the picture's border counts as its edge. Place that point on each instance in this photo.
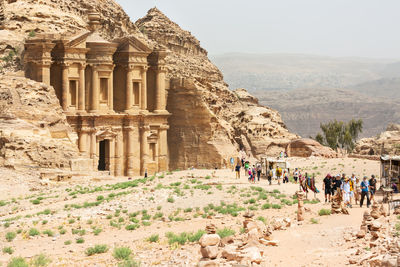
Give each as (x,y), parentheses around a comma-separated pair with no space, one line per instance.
(132,45)
(78,41)
(106,134)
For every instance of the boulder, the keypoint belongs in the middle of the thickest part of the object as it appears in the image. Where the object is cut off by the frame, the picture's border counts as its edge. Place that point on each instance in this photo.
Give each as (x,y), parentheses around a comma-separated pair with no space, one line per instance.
(209,252)
(231,254)
(252,253)
(209,240)
(208,263)
(361,234)
(306,147)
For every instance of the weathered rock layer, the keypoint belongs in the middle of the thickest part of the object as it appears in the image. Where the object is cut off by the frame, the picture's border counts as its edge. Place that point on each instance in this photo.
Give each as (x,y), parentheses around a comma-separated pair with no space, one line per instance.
(387,143)
(209,122)
(33,129)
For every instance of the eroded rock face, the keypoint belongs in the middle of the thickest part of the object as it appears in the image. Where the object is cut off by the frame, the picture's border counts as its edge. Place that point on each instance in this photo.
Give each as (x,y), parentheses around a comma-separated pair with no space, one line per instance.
(387,143)
(209,122)
(307,147)
(33,129)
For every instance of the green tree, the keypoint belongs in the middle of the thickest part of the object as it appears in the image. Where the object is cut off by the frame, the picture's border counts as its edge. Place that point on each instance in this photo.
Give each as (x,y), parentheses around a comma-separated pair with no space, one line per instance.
(337,134)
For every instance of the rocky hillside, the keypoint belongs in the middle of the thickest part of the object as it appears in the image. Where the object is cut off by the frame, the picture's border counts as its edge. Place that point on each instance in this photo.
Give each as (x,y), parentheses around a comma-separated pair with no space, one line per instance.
(386,143)
(33,128)
(209,123)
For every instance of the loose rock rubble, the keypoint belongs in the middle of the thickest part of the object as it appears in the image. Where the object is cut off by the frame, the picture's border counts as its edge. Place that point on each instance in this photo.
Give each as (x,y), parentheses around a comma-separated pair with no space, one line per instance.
(246,249)
(377,244)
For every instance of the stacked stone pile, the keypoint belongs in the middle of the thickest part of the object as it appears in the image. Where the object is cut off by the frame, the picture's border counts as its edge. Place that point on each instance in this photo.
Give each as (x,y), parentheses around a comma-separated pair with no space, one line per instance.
(378,234)
(300,206)
(336,206)
(209,243)
(246,249)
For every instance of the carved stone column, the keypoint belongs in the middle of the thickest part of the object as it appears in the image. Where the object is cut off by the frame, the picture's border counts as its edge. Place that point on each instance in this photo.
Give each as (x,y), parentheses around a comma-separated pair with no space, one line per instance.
(81,94)
(129,89)
(94,107)
(111,90)
(83,140)
(44,72)
(65,87)
(144,149)
(143,89)
(130,150)
(93,149)
(118,154)
(160,89)
(163,148)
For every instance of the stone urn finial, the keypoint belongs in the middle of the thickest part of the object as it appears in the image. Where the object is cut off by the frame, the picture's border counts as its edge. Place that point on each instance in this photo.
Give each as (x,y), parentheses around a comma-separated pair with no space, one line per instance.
(94,21)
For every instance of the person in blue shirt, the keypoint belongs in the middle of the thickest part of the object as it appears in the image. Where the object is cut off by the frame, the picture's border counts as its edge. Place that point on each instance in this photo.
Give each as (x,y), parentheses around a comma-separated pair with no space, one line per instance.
(365,192)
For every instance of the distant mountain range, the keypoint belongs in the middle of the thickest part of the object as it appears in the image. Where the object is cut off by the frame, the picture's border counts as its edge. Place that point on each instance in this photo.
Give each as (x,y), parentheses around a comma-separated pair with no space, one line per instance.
(308,89)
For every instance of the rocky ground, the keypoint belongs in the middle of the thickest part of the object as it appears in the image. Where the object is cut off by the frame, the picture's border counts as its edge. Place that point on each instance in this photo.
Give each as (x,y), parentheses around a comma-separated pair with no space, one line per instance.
(159,220)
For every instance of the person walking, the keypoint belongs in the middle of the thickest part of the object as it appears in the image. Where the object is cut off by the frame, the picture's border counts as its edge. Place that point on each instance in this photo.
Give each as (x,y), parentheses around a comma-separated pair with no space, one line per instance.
(295,175)
(279,174)
(365,192)
(327,187)
(253,173)
(258,172)
(345,188)
(270,175)
(237,169)
(372,187)
(357,191)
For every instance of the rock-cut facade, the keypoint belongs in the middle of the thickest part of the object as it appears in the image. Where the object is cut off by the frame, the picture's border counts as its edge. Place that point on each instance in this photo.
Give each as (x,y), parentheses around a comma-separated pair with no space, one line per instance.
(113,94)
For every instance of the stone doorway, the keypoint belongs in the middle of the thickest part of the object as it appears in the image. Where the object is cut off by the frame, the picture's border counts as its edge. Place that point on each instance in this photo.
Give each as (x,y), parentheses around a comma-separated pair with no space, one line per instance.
(104,155)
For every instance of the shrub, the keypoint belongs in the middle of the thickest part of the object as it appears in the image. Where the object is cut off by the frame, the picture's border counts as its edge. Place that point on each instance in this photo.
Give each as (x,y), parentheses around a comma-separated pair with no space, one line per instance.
(225,232)
(132,227)
(194,237)
(40,260)
(71,221)
(266,206)
(80,240)
(323,212)
(33,232)
(68,242)
(97,231)
(10,236)
(62,231)
(8,250)
(17,262)
(44,222)
(313,221)
(100,198)
(397,226)
(276,206)
(35,202)
(188,210)
(6,225)
(97,249)
(122,253)
(153,238)
(170,200)
(48,233)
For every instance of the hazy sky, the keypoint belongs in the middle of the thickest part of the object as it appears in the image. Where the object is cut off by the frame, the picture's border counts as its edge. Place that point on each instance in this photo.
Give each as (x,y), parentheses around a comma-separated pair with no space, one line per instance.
(365,28)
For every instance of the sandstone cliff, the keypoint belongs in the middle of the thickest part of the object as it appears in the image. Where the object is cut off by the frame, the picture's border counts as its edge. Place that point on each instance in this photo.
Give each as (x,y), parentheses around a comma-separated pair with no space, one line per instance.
(33,128)
(386,143)
(209,122)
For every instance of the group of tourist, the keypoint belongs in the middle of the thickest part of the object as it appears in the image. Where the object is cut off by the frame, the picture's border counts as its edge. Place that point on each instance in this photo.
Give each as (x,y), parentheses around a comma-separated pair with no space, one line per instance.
(350,188)
(253,171)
